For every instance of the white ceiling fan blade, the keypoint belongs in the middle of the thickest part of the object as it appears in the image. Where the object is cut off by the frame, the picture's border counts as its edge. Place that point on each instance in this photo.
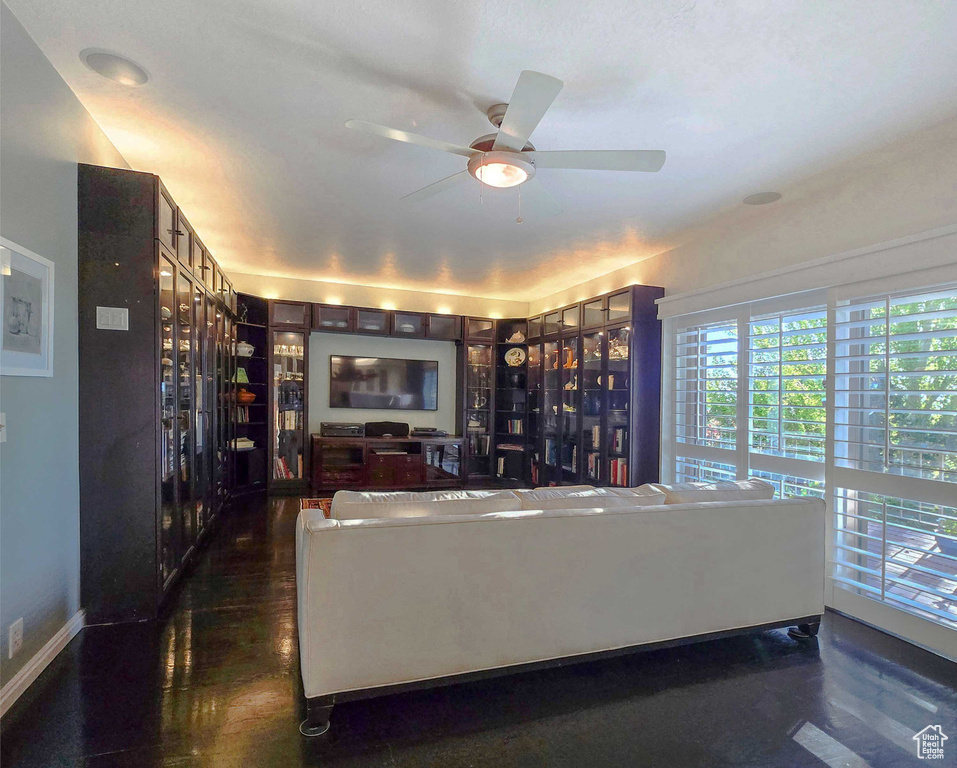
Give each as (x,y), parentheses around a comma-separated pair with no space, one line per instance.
(537,201)
(533,95)
(649,160)
(436,187)
(410,138)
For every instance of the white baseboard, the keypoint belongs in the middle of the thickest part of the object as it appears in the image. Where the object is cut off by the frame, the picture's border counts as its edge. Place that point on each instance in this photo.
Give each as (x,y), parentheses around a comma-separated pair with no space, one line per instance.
(32,669)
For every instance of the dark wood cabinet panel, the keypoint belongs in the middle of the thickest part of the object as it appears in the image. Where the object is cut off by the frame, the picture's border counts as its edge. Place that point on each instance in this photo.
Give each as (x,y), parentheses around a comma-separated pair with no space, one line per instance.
(333,318)
(386,463)
(445,327)
(292,314)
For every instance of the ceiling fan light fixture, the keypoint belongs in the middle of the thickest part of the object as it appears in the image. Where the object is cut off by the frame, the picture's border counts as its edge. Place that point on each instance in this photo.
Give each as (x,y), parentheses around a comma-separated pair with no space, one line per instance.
(501,169)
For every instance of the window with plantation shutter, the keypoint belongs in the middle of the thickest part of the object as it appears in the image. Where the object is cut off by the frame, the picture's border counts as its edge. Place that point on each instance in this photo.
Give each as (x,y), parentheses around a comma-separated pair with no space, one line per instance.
(895,451)
(706,401)
(844,396)
(896,385)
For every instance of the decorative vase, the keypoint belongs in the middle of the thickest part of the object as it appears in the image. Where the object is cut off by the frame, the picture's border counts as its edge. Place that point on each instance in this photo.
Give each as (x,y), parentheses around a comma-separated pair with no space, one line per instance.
(245,397)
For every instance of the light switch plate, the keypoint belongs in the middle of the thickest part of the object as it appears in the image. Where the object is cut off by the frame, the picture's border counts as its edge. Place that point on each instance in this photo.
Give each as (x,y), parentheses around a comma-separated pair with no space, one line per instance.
(112,319)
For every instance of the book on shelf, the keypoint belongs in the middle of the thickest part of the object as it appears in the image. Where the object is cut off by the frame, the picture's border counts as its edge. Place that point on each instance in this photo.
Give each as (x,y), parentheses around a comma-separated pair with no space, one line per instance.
(619,471)
(592,469)
(283,472)
(242,414)
(596,436)
(618,440)
(288,420)
(511,447)
(514,426)
(500,466)
(479,444)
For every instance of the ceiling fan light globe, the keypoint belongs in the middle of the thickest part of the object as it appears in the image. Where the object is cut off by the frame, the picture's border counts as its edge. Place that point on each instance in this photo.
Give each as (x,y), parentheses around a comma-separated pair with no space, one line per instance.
(501,175)
(501,169)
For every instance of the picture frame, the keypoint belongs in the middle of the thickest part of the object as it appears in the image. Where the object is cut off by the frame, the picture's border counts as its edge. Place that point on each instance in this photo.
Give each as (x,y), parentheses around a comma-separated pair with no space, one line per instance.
(26,311)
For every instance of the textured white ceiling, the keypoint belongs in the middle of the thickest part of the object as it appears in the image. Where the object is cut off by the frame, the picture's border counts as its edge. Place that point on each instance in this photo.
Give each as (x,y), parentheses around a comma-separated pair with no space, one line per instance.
(243,118)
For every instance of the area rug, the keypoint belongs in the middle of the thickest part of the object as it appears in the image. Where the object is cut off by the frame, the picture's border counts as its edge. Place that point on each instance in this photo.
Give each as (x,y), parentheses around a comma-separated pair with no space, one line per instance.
(324,504)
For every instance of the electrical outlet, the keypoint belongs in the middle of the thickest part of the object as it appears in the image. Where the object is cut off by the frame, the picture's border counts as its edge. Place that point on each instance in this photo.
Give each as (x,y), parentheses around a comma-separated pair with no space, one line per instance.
(16,638)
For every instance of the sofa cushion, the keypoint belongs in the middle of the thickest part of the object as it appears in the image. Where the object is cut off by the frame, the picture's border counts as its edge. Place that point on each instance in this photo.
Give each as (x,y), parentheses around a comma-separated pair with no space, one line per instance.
(641,496)
(730,490)
(353,505)
(565,488)
(567,498)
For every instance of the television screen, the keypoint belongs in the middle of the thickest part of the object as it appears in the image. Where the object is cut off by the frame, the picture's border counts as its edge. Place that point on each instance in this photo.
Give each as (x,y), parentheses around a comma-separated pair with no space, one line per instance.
(383,383)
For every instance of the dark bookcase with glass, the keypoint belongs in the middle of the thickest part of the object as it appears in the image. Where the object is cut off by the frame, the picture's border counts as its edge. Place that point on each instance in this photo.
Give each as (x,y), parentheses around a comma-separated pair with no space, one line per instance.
(288,359)
(153,470)
(478,379)
(511,397)
(599,390)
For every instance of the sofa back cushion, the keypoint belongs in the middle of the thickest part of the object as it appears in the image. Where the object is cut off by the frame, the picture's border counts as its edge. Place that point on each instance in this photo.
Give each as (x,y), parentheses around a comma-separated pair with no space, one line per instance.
(730,490)
(571,498)
(641,496)
(353,505)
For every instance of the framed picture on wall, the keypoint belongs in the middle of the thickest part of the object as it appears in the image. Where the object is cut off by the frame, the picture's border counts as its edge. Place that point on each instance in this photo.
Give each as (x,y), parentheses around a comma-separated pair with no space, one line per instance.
(26,308)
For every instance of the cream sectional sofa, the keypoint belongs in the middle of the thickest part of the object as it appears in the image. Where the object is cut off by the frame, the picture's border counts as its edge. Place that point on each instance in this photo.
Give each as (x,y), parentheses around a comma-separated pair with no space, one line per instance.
(443,588)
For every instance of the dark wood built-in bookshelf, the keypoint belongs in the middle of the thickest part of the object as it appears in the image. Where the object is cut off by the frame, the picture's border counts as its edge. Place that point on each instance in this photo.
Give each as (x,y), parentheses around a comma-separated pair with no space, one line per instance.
(156,394)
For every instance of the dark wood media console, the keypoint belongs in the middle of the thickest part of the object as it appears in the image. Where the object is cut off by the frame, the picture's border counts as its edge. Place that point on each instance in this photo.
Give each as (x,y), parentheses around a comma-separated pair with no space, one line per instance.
(386,463)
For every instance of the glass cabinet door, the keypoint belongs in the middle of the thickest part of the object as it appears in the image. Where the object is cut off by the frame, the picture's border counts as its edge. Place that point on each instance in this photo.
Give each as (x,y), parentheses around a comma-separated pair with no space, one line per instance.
(569,377)
(288,404)
(535,409)
(209,410)
(185,367)
(200,468)
(169,458)
(592,400)
(222,442)
(478,406)
(618,387)
(551,412)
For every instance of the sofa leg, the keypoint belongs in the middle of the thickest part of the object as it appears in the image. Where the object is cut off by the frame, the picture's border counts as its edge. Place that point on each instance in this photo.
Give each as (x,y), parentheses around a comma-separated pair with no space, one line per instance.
(805,631)
(317,719)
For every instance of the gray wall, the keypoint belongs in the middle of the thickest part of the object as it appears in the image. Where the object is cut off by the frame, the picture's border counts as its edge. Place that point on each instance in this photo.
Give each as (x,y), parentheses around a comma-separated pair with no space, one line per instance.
(322,345)
(44,133)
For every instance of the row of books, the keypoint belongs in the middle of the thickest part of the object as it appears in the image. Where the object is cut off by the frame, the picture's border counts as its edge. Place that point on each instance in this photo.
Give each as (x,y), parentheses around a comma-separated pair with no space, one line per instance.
(242,414)
(282,470)
(514,426)
(592,465)
(618,469)
(596,436)
(288,419)
(479,445)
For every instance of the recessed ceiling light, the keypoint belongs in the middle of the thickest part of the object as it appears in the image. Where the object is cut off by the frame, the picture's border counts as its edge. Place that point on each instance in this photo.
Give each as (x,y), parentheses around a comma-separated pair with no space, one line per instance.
(762,198)
(113,67)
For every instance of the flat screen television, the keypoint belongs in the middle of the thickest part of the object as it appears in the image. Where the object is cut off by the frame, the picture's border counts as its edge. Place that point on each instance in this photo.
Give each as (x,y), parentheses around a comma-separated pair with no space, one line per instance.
(383,383)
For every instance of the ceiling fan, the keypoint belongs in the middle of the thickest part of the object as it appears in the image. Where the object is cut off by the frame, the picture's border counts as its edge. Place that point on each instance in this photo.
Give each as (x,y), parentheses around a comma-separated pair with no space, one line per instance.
(507,158)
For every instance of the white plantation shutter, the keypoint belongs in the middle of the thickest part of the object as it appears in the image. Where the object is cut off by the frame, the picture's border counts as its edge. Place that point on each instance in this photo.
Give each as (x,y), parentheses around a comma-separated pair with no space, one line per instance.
(787,414)
(705,401)
(896,385)
(756,393)
(895,451)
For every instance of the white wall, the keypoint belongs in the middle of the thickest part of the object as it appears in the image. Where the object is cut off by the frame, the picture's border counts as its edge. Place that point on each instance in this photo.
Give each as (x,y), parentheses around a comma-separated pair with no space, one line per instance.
(44,133)
(905,189)
(322,345)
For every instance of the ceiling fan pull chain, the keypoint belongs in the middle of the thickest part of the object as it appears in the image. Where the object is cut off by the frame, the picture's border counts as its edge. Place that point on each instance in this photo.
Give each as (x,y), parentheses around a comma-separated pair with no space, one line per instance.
(519,220)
